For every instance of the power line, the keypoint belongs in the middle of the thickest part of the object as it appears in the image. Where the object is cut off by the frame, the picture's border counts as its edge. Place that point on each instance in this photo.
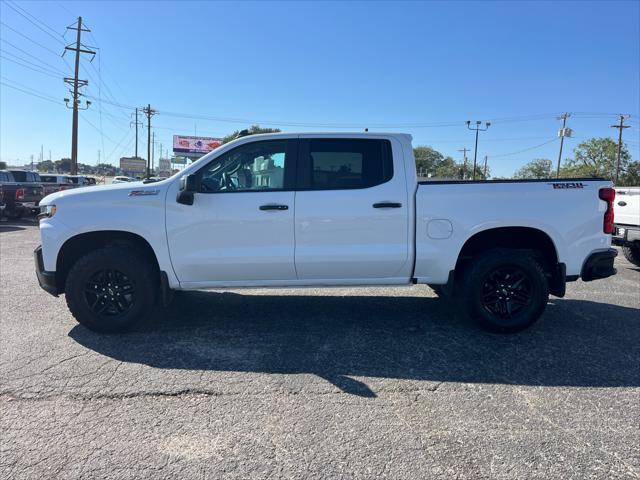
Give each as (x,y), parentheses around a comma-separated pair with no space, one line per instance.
(17,9)
(30,39)
(48,99)
(525,149)
(43,71)
(30,55)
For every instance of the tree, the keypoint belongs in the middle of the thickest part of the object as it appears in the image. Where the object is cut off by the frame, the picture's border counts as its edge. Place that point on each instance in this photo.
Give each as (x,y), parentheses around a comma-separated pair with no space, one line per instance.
(597,157)
(250,131)
(427,160)
(3,165)
(45,166)
(63,165)
(537,168)
(631,176)
(449,169)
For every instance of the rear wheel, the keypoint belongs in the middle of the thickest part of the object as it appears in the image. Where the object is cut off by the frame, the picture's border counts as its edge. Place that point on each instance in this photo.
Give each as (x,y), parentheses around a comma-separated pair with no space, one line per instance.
(505,291)
(632,253)
(111,289)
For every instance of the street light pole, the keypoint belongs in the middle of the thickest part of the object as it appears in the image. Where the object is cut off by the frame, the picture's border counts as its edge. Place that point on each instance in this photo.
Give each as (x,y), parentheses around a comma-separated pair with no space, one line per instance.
(477,129)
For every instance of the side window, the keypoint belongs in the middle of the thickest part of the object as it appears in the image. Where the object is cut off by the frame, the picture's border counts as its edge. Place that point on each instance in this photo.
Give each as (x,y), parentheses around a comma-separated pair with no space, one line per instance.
(256,166)
(340,164)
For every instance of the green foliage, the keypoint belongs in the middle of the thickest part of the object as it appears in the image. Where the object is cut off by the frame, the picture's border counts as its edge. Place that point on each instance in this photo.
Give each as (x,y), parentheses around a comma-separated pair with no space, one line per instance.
(631,175)
(3,165)
(596,157)
(45,166)
(427,160)
(250,131)
(433,163)
(537,168)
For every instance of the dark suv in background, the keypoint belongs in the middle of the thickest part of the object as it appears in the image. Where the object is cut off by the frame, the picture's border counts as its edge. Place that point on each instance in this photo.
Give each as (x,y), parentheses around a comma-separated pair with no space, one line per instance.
(21,192)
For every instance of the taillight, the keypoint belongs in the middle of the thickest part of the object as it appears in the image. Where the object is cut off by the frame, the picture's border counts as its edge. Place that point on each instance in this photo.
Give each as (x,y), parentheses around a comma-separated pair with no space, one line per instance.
(608,195)
(62,188)
(20,194)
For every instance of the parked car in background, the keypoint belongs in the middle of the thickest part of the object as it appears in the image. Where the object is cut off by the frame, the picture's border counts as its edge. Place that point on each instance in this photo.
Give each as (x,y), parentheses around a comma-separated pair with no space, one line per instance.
(323,210)
(122,179)
(80,180)
(22,192)
(153,179)
(2,205)
(627,222)
(54,183)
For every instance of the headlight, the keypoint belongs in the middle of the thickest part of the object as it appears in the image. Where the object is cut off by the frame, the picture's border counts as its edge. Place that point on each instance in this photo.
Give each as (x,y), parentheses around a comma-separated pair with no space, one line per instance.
(47,211)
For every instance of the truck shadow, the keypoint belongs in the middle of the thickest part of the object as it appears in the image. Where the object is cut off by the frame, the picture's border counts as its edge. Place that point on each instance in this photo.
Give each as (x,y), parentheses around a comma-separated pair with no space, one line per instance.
(577,343)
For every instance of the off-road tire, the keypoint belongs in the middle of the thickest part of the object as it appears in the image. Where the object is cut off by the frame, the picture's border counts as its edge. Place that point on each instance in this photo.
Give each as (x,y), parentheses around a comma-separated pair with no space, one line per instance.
(632,253)
(485,271)
(128,264)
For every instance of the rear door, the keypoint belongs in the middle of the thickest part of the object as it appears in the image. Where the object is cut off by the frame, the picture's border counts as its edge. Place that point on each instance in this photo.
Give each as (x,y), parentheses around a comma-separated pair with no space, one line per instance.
(352,220)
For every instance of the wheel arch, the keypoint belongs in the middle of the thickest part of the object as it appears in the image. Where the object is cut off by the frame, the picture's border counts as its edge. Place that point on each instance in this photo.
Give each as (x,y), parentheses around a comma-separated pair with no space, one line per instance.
(518,238)
(79,245)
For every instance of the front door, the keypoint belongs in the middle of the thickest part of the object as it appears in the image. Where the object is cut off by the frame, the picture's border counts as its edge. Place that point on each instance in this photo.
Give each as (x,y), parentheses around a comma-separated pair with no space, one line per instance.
(240,226)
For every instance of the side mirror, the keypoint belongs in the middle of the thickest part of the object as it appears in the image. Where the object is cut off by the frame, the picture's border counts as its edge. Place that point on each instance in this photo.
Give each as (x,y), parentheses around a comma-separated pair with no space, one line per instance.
(189,184)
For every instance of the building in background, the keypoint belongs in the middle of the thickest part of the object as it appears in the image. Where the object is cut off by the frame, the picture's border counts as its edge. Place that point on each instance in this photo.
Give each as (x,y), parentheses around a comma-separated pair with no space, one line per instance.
(133,166)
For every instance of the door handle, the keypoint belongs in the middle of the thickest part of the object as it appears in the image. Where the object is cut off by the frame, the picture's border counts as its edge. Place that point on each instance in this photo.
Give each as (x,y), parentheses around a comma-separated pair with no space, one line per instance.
(387,205)
(274,207)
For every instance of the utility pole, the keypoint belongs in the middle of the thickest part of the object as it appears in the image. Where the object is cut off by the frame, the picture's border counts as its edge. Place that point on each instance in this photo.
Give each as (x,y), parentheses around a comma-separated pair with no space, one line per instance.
(149,112)
(620,127)
(477,129)
(98,156)
(76,83)
(484,173)
(464,165)
(136,123)
(562,133)
(153,151)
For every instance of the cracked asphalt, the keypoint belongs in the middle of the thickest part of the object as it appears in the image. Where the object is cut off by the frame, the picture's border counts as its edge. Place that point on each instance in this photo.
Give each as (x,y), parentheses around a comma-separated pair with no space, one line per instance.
(338,383)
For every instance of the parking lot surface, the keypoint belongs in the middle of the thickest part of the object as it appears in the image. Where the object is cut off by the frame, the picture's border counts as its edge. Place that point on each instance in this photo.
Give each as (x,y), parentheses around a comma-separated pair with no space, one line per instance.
(335,383)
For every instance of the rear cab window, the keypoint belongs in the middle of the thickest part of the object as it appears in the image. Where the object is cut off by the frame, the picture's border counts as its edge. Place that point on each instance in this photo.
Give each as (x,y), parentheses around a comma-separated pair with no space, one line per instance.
(343,163)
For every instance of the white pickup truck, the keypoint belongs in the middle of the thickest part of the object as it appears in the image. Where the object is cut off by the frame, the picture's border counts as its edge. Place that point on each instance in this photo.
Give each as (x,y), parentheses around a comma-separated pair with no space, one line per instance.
(627,226)
(293,210)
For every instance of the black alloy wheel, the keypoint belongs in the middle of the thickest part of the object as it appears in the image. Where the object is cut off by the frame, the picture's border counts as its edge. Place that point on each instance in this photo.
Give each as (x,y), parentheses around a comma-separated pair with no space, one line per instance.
(506,292)
(109,293)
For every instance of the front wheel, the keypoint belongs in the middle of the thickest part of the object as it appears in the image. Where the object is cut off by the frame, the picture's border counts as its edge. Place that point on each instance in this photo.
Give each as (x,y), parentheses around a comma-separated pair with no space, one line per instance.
(632,253)
(111,289)
(505,291)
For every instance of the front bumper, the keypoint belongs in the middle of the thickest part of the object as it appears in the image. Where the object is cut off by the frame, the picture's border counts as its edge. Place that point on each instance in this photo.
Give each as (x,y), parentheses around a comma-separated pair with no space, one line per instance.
(599,265)
(47,280)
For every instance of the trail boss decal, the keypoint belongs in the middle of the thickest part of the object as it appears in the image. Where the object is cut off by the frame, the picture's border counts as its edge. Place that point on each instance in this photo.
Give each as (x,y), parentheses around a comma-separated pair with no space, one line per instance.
(567,185)
(140,193)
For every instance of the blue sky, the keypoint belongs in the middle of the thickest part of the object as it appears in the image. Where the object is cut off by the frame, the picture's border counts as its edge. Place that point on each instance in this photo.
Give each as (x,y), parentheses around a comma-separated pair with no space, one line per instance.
(416,67)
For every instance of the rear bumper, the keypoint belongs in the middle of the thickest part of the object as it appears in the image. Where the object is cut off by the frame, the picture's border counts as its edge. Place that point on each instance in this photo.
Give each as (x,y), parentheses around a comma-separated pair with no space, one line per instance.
(599,265)
(625,234)
(47,280)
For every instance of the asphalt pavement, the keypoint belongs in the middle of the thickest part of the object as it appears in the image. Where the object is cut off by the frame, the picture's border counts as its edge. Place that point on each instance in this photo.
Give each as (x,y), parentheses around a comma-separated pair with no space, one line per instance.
(317,383)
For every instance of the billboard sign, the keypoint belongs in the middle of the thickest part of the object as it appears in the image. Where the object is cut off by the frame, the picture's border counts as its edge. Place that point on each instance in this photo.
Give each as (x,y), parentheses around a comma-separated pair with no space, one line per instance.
(133,165)
(189,144)
(164,164)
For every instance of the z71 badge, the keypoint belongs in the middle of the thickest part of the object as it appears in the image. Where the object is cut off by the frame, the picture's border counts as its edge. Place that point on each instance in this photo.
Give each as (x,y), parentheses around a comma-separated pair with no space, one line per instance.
(568,185)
